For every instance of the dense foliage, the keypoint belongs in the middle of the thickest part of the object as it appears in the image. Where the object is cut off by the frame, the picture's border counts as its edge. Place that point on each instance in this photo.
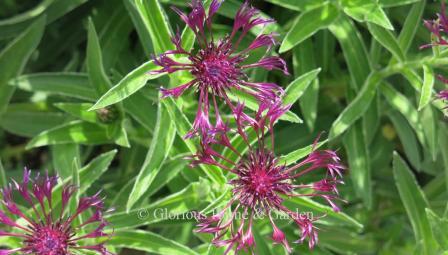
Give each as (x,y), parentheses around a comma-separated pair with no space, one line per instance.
(81,97)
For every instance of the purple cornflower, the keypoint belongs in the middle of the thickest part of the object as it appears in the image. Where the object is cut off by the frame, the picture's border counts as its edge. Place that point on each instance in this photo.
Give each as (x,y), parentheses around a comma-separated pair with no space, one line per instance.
(218,67)
(261,183)
(439,30)
(443,95)
(47,228)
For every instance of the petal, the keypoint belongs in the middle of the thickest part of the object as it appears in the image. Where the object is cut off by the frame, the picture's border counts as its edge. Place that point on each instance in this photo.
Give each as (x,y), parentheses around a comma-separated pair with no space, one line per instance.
(264,40)
(270,63)
(178,91)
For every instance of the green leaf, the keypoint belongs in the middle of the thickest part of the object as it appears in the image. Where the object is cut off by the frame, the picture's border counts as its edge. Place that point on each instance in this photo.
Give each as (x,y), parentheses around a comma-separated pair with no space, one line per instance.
(387,39)
(75,132)
(355,52)
(140,26)
(439,227)
(79,110)
(304,61)
(52,9)
(16,24)
(115,27)
(147,115)
(395,3)
(156,23)
(357,107)
(413,78)
(74,85)
(97,76)
(428,116)
(30,119)
(73,202)
(160,147)
(443,144)
(366,11)
(359,163)
(407,138)
(332,217)
(14,57)
(339,240)
(183,201)
(428,83)
(298,154)
(399,102)
(62,156)
(296,88)
(414,202)
(3,180)
(309,23)
(411,25)
(91,172)
(141,240)
(169,171)
(130,84)
(298,5)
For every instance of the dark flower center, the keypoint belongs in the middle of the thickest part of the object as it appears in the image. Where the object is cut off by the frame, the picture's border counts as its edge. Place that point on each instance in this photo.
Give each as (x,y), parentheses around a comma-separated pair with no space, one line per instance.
(216,69)
(49,241)
(260,181)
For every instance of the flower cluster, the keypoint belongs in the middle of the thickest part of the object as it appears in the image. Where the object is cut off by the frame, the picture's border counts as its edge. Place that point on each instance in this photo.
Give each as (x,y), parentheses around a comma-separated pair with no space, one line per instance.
(439,30)
(261,182)
(218,66)
(48,227)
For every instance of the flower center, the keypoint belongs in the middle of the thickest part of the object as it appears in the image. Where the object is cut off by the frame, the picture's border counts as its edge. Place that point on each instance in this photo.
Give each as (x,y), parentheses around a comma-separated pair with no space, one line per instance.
(216,69)
(260,180)
(49,241)
(260,183)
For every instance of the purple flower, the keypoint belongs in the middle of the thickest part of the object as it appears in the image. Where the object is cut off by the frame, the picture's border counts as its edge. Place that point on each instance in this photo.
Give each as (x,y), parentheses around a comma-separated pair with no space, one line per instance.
(218,67)
(443,95)
(439,30)
(49,228)
(262,183)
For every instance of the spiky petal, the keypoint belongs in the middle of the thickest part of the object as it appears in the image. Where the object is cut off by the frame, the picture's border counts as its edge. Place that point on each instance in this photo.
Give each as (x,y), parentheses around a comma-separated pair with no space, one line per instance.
(49,229)
(439,30)
(262,183)
(217,66)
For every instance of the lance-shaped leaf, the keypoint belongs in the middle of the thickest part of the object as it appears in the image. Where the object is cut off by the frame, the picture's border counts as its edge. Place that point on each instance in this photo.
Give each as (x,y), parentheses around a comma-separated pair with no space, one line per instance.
(414,202)
(309,23)
(159,149)
(146,241)
(14,57)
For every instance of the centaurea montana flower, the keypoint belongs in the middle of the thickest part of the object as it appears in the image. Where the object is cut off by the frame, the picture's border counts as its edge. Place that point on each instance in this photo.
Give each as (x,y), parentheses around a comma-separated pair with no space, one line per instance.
(439,31)
(47,228)
(218,67)
(261,183)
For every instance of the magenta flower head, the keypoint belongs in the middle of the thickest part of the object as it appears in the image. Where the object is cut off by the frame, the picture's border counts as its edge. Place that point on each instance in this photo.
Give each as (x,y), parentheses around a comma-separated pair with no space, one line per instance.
(438,28)
(262,182)
(218,66)
(46,225)
(439,31)
(443,95)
